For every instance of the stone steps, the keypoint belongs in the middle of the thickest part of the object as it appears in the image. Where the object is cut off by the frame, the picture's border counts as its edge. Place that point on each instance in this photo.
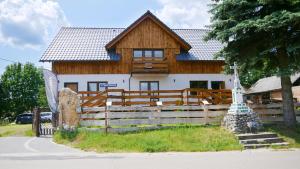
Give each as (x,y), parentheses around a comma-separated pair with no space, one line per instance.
(256,135)
(255,146)
(260,140)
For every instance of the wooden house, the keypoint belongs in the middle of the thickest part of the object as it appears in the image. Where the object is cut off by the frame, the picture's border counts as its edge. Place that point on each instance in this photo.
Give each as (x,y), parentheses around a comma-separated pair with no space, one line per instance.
(268,90)
(147,55)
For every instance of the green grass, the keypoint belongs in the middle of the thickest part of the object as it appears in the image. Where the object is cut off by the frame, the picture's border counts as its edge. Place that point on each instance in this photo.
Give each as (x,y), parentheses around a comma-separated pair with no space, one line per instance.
(291,135)
(16,130)
(179,139)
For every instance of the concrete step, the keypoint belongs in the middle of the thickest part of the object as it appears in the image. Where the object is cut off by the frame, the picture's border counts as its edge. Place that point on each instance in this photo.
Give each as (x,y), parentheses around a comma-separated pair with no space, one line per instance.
(255,146)
(262,140)
(256,136)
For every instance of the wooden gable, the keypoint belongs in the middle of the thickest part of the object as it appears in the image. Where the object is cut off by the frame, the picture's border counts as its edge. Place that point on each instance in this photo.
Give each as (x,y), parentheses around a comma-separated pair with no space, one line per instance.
(148,32)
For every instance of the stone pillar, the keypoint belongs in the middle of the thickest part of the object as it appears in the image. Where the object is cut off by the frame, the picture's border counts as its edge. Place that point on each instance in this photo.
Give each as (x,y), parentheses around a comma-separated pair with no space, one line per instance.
(69,106)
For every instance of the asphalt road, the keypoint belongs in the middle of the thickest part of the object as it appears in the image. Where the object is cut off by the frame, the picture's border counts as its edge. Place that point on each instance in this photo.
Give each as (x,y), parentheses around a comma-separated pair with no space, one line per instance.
(42,153)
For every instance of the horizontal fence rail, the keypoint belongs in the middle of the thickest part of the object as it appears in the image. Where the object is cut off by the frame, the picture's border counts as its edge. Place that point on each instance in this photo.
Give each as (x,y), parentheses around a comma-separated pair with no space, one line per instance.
(122,119)
(150,65)
(149,98)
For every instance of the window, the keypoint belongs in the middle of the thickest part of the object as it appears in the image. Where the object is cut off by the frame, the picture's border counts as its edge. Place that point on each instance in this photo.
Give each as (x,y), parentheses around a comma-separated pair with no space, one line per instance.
(297,82)
(158,53)
(137,53)
(71,85)
(148,53)
(198,85)
(218,85)
(96,86)
(149,86)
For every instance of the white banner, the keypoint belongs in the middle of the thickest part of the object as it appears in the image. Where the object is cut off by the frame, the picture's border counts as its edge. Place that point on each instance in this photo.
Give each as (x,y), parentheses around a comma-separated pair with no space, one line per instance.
(51,86)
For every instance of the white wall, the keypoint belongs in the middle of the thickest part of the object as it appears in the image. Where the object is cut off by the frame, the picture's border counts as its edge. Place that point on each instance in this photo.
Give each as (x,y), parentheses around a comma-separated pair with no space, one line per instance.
(166,82)
(181,81)
(81,79)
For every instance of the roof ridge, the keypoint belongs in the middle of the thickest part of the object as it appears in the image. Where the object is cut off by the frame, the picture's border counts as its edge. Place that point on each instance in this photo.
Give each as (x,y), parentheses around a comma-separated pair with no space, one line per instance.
(86,27)
(191,29)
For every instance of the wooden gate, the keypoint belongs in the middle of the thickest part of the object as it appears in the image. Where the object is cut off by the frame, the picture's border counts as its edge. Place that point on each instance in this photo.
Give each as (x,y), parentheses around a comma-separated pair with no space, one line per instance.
(40,127)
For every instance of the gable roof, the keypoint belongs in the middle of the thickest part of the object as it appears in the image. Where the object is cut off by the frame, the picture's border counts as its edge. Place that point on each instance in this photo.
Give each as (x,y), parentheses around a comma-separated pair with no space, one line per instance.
(88,44)
(269,84)
(201,50)
(185,45)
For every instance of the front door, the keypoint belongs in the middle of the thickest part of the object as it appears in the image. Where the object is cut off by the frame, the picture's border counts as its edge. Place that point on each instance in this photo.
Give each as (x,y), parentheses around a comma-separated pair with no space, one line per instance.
(150,86)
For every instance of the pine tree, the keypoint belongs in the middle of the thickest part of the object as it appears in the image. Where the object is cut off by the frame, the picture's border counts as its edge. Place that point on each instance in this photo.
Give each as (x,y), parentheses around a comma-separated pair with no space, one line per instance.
(263,36)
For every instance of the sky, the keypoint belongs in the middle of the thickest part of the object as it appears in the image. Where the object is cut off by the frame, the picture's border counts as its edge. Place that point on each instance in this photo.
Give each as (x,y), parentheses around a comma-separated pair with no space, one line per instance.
(28,26)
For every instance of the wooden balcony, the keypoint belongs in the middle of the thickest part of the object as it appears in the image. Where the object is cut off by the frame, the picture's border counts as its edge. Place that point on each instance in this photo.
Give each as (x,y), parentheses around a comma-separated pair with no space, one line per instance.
(149,65)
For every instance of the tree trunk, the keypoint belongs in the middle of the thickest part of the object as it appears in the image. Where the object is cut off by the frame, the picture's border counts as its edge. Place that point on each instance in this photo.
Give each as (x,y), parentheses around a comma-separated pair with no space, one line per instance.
(289,116)
(287,100)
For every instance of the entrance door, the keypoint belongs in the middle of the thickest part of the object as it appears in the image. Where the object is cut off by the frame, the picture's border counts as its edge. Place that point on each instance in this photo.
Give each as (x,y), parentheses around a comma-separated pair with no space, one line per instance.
(149,86)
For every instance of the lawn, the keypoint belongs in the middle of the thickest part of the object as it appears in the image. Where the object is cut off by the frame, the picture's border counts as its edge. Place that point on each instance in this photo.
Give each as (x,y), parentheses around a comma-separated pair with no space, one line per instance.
(16,130)
(291,135)
(179,139)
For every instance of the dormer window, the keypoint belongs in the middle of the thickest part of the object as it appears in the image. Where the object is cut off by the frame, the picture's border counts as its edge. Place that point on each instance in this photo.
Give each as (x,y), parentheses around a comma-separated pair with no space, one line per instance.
(148,53)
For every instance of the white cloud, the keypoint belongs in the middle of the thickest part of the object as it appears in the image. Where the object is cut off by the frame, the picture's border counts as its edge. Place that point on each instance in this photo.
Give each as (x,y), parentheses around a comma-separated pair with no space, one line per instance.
(184,13)
(28,23)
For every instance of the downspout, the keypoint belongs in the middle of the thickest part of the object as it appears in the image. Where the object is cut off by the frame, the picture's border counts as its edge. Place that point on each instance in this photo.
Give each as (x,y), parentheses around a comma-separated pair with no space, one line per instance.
(129,82)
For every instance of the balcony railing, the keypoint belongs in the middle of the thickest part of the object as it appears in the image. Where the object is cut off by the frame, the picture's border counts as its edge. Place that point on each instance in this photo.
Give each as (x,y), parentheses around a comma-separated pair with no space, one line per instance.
(150,65)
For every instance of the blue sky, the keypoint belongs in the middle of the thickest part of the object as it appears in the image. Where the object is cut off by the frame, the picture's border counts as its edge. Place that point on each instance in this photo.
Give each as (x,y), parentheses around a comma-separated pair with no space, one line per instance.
(28,26)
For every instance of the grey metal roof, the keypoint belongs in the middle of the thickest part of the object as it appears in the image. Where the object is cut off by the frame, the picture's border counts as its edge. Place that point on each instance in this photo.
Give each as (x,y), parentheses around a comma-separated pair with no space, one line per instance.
(269,84)
(200,50)
(88,44)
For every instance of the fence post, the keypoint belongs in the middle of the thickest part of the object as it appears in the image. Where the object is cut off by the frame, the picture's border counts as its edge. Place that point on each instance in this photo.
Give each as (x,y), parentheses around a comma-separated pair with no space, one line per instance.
(36,121)
(187,97)
(123,98)
(182,102)
(205,108)
(107,106)
(55,119)
(159,105)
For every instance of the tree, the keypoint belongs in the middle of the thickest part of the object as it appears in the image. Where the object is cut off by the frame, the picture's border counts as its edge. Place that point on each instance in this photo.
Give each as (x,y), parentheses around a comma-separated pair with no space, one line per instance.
(3,102)
(25,85)
(262,36)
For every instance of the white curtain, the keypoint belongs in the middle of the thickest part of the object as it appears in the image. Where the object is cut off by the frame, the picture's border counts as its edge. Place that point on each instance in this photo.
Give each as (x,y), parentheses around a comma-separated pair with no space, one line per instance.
(51,86)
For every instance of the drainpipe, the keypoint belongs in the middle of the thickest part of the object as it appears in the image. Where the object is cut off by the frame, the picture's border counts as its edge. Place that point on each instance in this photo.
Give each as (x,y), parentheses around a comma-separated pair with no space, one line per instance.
(129,82)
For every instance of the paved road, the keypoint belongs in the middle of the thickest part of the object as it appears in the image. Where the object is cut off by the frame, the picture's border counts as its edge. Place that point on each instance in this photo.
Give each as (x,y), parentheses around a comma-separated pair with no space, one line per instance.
(42,153)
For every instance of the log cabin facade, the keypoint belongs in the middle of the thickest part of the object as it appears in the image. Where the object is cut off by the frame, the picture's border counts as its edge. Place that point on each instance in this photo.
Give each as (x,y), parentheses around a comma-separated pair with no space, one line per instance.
(147,55)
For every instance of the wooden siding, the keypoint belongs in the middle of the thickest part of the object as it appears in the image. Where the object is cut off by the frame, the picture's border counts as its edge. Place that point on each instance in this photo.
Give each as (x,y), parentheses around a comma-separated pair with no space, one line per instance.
(205,67)
(147,35)
(149,23)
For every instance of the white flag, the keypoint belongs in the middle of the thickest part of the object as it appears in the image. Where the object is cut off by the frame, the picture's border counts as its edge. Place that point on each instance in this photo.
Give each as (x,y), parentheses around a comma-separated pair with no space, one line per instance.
(51,86)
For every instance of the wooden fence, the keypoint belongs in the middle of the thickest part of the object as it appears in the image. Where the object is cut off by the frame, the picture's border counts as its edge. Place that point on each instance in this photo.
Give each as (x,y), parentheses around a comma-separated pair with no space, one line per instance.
(131,118)
(149,98)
